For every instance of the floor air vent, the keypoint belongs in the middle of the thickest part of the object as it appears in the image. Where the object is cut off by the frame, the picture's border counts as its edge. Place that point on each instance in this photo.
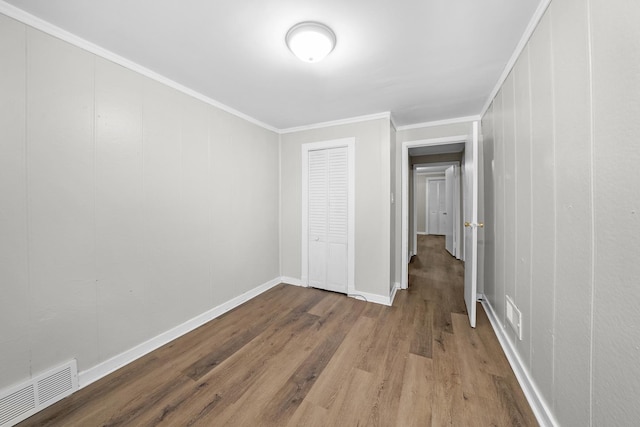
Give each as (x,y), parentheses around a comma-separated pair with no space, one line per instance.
(24,400)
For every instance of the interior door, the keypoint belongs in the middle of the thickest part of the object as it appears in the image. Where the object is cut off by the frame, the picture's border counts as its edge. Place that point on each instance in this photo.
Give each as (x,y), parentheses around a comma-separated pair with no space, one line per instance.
(328,218)
(433,223)
(470,192)
(436,209)
(449,187)
(442,207)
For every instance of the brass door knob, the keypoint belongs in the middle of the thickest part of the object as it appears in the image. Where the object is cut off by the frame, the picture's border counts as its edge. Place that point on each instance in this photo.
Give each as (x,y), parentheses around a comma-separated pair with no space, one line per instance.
(479,225)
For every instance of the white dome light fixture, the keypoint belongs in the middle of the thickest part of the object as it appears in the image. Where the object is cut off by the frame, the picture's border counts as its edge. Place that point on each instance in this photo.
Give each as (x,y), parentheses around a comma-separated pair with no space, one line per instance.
(310,41)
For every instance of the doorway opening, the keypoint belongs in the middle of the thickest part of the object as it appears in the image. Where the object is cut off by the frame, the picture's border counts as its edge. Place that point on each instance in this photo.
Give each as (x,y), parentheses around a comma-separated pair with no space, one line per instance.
(465,147)
(435,200)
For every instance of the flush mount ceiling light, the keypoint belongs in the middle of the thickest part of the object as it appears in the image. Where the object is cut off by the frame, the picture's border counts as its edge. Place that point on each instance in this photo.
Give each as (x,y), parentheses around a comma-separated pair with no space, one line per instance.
(310,41)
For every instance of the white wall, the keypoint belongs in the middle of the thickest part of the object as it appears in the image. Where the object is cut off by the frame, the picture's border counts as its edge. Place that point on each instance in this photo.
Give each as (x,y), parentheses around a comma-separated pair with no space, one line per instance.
(394,225)
(372,207)
(126,207)
(563,228)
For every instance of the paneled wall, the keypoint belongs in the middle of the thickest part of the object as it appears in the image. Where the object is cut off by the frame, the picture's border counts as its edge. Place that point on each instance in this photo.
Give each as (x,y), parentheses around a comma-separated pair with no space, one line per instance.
(562,187)
(126,207)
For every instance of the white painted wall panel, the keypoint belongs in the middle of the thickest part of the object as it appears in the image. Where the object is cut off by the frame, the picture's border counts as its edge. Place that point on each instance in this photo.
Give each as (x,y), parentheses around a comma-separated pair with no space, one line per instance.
(499,181)
(196,198)
(584,228)
(264,210)
(60,150)
(574,217)
(162,195)
(522,295)
(543,209)
(14,302)
(223,214)
(141,214)
(121,279)
(510,196)
(616,108)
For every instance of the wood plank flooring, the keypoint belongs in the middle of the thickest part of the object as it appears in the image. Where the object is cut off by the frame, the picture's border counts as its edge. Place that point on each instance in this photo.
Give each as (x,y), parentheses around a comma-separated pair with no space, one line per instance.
(305,357)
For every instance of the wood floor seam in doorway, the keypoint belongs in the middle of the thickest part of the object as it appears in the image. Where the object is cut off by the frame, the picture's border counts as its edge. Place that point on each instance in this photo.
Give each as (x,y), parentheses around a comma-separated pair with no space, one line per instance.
(305,357)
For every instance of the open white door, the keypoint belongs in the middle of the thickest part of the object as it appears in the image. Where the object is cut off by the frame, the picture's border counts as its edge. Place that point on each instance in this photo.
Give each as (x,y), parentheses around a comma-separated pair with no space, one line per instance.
(449,187)
(471,223)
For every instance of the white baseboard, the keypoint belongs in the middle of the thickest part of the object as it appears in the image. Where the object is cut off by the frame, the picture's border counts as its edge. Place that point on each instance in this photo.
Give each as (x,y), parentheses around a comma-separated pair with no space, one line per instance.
(366,296)
(378,299)
(292,281)
(108,366)
(394,290)
(543,413)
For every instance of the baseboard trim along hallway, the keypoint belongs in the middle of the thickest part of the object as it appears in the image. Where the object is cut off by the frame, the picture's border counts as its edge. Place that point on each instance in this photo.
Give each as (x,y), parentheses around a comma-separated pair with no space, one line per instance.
(116,362)
(295,356)
(534,397)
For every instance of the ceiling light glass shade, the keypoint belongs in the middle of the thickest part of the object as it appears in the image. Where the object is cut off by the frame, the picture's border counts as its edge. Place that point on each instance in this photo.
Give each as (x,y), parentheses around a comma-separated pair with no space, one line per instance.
(310,41)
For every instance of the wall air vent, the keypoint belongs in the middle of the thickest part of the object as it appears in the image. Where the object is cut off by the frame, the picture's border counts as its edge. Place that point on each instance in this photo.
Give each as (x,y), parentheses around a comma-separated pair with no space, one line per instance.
(20,402)
(514,317)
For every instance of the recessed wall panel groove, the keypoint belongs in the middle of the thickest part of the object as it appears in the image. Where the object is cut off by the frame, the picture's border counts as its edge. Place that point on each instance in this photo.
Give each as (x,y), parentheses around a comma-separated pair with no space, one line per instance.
(522,294)
(543,234)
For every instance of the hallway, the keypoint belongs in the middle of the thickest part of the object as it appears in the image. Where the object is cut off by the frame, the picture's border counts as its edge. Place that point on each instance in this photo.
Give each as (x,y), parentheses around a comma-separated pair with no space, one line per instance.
(471,364)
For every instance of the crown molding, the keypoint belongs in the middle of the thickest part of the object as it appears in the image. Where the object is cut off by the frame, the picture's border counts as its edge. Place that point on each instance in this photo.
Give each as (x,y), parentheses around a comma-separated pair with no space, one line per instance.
(440,123)
(42,25)
(385,115)
(393,122)
(55,31)
(528,32)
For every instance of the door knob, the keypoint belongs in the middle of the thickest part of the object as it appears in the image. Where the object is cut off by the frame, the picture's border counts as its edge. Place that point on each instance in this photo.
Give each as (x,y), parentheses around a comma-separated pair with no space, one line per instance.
(479,225)
(317,238)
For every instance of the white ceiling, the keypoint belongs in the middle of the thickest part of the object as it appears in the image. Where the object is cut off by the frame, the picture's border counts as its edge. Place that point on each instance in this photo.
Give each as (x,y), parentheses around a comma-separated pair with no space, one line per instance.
(421,60)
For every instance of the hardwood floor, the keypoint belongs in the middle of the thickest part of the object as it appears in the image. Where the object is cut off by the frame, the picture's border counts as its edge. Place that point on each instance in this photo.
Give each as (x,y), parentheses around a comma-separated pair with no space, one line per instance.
(305,357)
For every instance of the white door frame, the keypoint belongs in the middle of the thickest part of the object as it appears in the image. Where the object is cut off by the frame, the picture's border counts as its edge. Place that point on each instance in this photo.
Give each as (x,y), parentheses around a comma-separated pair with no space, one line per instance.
(350,143)
(404,248)
(457,194)
(414,234)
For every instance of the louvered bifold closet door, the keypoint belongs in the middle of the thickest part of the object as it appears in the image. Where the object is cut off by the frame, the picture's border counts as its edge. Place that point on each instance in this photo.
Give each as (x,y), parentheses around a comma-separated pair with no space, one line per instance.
(328,218)
(318,215)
